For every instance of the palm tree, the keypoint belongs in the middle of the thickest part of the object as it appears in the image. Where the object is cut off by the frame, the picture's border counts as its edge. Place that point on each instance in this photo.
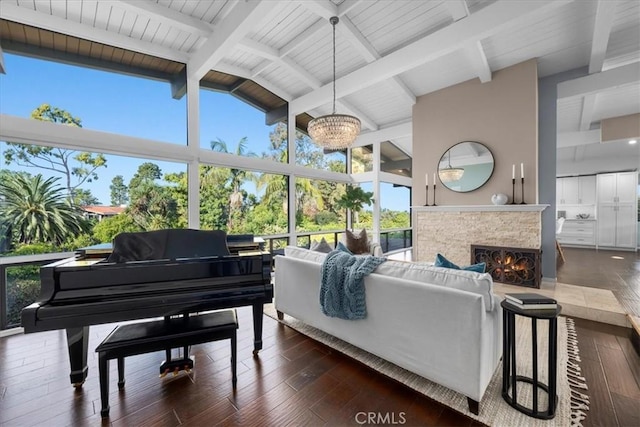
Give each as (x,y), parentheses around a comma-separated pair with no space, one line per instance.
(37,210)
(238,176)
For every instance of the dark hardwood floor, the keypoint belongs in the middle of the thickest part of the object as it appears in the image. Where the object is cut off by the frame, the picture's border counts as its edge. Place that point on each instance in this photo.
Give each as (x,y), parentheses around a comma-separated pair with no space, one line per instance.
(618,271)
(296,380)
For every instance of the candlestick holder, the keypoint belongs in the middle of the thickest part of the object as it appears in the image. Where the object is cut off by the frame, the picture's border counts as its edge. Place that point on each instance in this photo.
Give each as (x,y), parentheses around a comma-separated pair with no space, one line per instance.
(434,195)
(427,199)
(513,191)
(522,186)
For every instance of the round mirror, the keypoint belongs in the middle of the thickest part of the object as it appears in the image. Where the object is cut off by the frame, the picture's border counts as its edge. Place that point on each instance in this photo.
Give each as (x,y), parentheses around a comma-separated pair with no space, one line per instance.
(466,166)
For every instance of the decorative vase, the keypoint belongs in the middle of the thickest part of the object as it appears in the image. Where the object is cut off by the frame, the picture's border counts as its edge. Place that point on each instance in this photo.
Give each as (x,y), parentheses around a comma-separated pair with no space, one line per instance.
(499,199)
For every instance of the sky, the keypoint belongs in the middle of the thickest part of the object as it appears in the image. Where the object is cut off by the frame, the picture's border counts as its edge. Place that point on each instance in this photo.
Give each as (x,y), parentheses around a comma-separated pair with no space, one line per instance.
(132,106)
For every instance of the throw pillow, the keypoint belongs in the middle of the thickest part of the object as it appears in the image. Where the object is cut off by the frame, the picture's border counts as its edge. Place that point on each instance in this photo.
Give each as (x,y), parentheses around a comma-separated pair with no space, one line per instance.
(321,246)
(343,248)
(441,261)
(357,244)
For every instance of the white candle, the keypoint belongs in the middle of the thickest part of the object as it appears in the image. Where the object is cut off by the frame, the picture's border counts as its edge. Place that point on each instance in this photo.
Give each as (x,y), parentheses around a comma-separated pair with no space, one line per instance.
(434,180)
(426,179)
(521,170)
(513,171)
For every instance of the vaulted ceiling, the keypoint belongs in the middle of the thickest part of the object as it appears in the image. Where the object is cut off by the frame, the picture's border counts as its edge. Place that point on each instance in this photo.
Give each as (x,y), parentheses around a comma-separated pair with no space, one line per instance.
(388,52)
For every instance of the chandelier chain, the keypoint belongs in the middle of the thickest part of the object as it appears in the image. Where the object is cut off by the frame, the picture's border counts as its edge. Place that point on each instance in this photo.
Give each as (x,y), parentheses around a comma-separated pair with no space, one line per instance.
(333,24)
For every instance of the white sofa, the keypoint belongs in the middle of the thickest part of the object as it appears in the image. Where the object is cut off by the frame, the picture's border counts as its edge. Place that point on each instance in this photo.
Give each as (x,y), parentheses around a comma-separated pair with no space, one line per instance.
(444,325)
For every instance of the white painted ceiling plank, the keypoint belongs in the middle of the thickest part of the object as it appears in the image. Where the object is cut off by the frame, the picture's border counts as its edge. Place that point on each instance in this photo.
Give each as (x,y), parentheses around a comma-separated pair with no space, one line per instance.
(601,31)
(484,23)
(571,139)
(166,15)
(348,108)
(243,17)
(302,38)
(368,52)
(63,26)
(478,59)
(588,107)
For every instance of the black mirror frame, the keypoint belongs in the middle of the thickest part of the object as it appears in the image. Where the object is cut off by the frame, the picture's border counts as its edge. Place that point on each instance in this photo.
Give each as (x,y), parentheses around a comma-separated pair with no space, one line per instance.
(493,168)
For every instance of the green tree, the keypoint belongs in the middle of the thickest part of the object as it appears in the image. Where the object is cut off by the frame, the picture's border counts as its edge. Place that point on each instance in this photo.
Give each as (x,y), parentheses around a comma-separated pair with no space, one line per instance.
(75,167)
(353,199)
(36,210)
(236,178)
(119,191)
(82,197)
(152,206)
(105,230)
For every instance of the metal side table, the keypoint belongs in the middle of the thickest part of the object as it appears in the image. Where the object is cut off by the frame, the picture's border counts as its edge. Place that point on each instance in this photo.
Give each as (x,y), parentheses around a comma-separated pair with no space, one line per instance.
(509,375)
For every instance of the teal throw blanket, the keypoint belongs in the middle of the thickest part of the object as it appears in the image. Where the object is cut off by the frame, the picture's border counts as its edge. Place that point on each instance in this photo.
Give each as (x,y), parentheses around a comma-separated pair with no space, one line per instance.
(342,288)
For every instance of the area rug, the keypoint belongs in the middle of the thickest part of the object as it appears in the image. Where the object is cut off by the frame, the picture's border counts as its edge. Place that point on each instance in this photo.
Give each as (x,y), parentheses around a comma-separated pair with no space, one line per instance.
(494,411)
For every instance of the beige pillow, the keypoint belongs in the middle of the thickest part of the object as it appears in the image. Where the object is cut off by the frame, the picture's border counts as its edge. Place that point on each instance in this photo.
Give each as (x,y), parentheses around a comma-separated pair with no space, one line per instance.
(357,244)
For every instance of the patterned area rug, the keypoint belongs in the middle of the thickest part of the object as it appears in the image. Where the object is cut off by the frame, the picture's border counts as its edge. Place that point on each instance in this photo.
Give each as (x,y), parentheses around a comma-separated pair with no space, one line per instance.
(494,411)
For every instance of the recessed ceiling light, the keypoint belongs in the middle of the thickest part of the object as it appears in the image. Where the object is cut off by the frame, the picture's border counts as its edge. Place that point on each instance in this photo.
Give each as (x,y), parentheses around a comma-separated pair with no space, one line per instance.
(617,257)
(633,141)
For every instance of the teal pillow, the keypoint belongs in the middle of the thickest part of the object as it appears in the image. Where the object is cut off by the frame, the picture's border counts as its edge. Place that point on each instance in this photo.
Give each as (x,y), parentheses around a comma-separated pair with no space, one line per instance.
(343,248)
(443,262)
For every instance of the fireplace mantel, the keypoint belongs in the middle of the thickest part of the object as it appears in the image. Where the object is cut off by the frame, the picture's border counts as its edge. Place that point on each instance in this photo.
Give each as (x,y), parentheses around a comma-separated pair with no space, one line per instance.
(451,230)
(481,208)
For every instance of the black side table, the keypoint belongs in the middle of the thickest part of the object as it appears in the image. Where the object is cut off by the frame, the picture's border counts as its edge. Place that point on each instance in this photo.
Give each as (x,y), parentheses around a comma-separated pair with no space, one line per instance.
(509,376)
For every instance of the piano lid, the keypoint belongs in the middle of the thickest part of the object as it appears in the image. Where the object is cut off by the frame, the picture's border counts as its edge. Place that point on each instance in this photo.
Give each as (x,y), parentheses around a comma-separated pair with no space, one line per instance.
(168,244)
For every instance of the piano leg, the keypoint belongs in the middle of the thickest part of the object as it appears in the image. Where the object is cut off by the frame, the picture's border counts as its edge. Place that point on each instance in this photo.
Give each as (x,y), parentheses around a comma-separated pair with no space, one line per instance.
(77,342)
(257,327)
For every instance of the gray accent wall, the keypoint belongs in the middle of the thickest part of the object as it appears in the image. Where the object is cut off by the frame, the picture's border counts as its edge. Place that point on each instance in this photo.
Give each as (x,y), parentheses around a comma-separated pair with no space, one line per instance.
(547,134)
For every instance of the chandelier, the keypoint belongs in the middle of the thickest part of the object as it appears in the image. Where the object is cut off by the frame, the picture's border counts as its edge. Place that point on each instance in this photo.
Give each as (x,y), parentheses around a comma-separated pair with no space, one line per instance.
(449,173)
(334,131)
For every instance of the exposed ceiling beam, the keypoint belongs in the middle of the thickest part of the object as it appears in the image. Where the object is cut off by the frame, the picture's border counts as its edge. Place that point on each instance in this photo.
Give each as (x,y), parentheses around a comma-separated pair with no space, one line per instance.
(609,79)
(385,134)
(273,55)
(166,16)
(2,69)
(488,21)
(23,15)
(588,108)
(246,73)
(369,53)
(347,5)
(475,54)
(458,9)
(601,32)
(571,139)
(324,8)
(243,18)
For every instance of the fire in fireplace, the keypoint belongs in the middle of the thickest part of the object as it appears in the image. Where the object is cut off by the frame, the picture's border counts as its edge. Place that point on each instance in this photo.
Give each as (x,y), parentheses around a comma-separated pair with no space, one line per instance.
(513,266)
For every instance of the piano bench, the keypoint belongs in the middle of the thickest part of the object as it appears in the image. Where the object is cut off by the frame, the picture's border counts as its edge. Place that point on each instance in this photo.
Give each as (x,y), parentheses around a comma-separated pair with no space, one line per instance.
(156,335)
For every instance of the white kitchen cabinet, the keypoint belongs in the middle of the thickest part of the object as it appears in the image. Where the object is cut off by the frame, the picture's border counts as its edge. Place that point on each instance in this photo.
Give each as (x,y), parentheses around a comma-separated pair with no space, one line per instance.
(617,209)
(578,232)
(576,190)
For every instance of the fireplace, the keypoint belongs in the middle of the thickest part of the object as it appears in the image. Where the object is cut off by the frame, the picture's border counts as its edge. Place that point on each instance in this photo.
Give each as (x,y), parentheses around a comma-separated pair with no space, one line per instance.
(513,266)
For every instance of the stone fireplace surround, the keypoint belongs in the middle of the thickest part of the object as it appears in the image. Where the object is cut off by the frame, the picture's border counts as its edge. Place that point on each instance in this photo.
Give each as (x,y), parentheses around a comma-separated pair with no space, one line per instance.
(451,230)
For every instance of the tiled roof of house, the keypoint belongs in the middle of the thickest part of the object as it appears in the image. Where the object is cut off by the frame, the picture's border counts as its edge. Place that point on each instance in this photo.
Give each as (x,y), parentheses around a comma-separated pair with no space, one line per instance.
(104,210)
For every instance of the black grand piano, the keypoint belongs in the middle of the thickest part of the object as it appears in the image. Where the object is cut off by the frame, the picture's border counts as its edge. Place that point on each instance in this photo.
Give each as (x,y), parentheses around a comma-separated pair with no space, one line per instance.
(149,274)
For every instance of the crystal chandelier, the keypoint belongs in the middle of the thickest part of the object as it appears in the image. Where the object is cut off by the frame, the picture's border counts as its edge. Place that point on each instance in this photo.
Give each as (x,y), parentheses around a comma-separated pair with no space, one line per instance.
(334,131)
(449,173)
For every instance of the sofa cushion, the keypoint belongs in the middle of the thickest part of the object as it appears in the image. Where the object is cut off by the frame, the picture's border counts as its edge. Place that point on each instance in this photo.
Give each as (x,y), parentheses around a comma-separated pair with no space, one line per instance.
(321,246)
(441,261)
(470,281)
(306,254)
